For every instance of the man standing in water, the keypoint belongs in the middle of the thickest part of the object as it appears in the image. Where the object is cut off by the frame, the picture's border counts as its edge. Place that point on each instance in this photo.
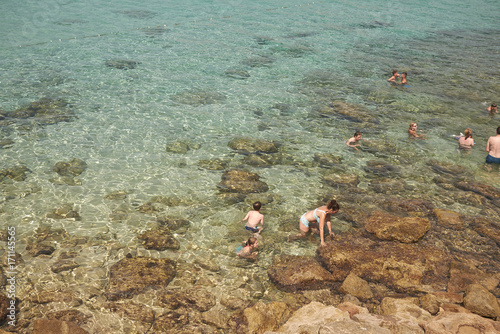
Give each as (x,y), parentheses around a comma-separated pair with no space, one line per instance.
(493,149)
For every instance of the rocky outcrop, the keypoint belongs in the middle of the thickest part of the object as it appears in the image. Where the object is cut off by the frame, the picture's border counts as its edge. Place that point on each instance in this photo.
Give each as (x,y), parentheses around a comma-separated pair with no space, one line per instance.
(239,181)
(131,276)
(447,322)
(291,273)
(449,219)
(404,229)
(266,317)
(482,302)
(403,267)
(356,287)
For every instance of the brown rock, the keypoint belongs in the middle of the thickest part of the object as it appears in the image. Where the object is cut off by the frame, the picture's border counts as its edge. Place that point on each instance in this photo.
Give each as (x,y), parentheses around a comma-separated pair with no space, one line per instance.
(40,248)
(132,310)
(480,301)
(217,317)
(73,168)
(291,273)
(460,323)
(131,276)
(463,274)
(487,191)
(486,228)
(341,181)
(158,239)
(44,326)
(64,265)
(199,299)
(449,219)
(266,317)
(394,324)
(357,287)
(449,297)
(239,181)
(405,307)
(4,303)
(430,303)
(389,227)
(404,267)
(72,315)
(249,145)
(170,322)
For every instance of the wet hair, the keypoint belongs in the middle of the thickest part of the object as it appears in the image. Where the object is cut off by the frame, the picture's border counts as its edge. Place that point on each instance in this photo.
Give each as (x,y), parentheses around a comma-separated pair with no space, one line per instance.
(394,72)
(332,205)
(257,205)
(498,130)
(468,133)
(251,241)
(357,133)
(494,105)
(405,73)
(412,124)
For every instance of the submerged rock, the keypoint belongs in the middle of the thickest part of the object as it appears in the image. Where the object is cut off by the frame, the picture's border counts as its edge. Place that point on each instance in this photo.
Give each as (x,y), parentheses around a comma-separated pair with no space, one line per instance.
(182,146)
(63,212)
(199,299)
(40,248)
(381,168)
(119,194)
(65,180)
(351,112)
(179,225)
(17,173)
(44,326)
(213,164)
(158,239)
(45,111)
(6,143)
(266,317)
(258,61)
(131,276)
(487,191)
(198,97)
(122,64)
(249,145)
(73,168)
(72,315)
(132,310)
(239,181)
(390,227)
(237,73)
(292,273)
(341,181)
(327,159)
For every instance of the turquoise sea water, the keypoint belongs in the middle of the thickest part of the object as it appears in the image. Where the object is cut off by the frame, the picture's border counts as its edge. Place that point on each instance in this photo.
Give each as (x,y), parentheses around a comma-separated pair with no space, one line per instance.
(298,57)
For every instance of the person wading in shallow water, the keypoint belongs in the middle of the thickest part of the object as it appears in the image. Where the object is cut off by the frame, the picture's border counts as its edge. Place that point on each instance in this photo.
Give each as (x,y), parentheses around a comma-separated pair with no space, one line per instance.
(493,149)
(315,220)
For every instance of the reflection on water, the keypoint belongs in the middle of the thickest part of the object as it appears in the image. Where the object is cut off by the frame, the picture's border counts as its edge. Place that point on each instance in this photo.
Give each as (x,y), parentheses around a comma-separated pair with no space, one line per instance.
(154,137)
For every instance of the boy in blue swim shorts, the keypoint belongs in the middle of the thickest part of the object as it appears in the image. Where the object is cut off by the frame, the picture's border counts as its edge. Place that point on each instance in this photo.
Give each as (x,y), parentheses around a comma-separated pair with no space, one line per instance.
(493,149)
(254,218)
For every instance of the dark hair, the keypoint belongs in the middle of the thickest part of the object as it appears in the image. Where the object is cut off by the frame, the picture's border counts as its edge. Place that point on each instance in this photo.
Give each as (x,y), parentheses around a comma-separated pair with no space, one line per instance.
(394,72)
(251,241)
(357,133)
(333,205)
(498,130)
(494,105)
(404,73)
(257,205)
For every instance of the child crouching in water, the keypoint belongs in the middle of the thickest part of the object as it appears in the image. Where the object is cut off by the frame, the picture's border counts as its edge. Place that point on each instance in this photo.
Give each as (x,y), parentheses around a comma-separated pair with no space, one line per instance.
(254,218)
(246,251)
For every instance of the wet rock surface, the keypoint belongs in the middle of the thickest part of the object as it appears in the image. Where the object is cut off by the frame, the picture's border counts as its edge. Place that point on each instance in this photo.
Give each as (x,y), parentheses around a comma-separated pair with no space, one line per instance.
(249,145)
(72,168)
(386,226)
(292,273)
(17,173)
(239,181)
(159,238)
(131,276)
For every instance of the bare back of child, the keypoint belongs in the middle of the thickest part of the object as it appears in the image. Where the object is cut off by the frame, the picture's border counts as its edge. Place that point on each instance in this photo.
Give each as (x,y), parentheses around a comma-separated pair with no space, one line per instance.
(254,218)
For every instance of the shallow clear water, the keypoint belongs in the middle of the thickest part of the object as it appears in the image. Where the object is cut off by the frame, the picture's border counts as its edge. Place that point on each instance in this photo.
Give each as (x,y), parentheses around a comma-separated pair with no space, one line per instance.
(299,57)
